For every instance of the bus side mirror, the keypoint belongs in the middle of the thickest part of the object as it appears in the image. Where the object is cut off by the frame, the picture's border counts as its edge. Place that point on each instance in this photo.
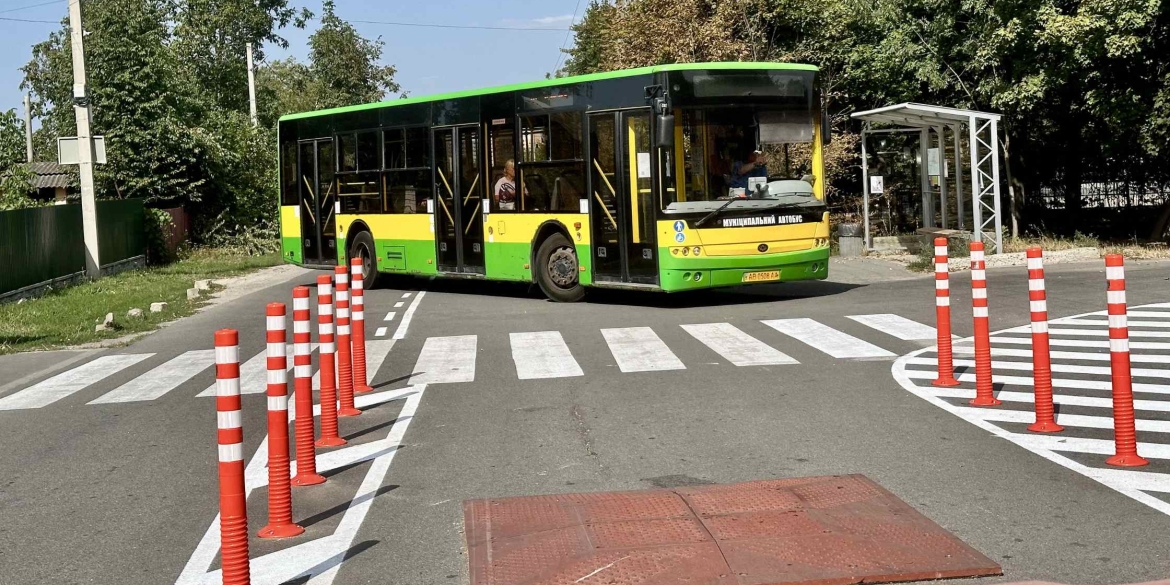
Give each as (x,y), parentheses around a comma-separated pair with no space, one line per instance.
(826,128)
(665,131)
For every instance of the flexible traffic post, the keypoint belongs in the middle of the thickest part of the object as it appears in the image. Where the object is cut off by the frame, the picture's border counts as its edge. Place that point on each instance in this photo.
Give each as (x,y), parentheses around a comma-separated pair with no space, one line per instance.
(303,391)
(1041,359)
(280,523)
(984,392)
(344,356)
(358,325)
(942,314)
(1124,431)
(233,501)
(328,391)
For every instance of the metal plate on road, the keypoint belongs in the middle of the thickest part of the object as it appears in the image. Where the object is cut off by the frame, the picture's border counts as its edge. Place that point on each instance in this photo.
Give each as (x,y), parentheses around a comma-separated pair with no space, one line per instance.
(835,529)
(764,276)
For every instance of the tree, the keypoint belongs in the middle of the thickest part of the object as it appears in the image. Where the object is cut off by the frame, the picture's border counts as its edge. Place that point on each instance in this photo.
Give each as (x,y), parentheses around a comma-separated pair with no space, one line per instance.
(11,140)
(345,65)
(210,36)
(589,40)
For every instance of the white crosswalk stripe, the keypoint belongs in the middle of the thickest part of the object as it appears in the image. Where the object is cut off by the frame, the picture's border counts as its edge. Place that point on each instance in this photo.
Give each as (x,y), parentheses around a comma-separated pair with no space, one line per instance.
(445,360)
(542,354)
(824,338)
(639,349)
(736,346)
(898,326)
(161,379)
(536,355)
(70,381)
(1083,399)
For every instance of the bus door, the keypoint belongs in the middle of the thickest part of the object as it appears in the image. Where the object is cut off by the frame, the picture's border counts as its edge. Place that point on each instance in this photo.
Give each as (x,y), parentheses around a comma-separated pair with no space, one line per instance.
(315,162)
(458,208)
(622,212)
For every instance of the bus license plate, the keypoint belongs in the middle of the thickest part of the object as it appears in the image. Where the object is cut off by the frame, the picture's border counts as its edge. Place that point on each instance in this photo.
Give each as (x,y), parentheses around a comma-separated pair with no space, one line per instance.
(761,276)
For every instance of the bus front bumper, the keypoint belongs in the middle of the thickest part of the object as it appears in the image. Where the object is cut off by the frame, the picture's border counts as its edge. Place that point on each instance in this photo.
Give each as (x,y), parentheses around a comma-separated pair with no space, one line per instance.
(696,273)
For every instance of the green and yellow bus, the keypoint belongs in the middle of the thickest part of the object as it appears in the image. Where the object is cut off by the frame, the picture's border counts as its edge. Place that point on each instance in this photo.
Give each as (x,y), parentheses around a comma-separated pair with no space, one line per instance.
(667,178)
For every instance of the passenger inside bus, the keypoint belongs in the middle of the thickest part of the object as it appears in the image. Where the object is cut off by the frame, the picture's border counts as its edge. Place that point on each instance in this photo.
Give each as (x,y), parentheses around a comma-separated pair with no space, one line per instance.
(505,190)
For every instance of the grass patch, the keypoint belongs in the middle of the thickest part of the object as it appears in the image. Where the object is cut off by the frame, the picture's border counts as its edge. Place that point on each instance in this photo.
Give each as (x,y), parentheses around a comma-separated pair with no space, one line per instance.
(67,316)
(1049,243)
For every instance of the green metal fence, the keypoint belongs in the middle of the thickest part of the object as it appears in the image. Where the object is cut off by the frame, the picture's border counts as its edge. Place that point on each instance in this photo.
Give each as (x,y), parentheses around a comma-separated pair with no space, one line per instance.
(41,244)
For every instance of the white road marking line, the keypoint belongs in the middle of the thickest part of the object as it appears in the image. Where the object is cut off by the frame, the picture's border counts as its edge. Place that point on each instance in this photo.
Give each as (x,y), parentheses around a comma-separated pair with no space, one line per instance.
(445,360)
(1068,420)
(1105,323)
(1137,358)
(318,559)
(161,379)
(376,352)
(399,304)
(1056,367)
(736,346)
(390,316)
(254,373)
(406,295)
(826,339)
(898,326)
(44,372)
(542,354)
(1104,332)
(67,383)
(639,349)
(1104,385)
(1140,313)
(381,332)
(1136,480)
(1003,339)
(404,324)
(1089,446)
(1089,401)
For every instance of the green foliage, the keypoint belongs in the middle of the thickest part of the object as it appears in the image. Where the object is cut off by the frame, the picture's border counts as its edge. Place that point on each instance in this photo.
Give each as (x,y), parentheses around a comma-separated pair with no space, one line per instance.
(168,89)
(11,140)
(158,225)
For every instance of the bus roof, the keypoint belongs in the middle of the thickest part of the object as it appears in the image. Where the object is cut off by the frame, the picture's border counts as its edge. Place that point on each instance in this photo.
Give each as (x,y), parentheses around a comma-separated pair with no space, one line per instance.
(552,82)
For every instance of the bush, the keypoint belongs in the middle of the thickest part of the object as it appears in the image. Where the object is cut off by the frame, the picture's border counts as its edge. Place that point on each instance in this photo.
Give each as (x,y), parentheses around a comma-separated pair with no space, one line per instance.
(158,226)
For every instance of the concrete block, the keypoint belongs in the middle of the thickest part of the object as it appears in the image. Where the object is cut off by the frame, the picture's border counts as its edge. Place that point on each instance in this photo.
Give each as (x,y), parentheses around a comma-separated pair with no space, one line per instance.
(848,246)
(109,320)
(192,294)
(158,307)
(202,285)
(134,313)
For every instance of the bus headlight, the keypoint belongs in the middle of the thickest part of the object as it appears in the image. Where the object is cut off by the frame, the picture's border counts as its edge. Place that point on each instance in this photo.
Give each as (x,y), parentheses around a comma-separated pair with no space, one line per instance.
(686,251)
(696,250)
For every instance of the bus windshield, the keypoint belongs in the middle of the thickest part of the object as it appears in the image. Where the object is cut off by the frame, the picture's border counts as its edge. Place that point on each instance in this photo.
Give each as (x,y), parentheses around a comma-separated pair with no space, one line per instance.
(761,154)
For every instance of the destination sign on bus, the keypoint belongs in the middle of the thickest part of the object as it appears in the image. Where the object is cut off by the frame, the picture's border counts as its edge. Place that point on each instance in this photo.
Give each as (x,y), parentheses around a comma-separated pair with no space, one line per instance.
(765,220)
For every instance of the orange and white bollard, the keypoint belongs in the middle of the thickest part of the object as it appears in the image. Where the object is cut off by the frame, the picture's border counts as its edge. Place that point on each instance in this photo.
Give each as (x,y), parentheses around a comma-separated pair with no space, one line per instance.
(328,391)
(358,324)
(344,357)
(984,392)
(280,524)
(233,501)
(1124,431)
(1041,358)
(942,313)
(303,391)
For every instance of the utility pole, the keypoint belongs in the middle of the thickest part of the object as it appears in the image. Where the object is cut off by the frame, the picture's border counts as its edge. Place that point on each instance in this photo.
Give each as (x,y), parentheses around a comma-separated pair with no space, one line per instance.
(251,85)
(28,127)
(93,266)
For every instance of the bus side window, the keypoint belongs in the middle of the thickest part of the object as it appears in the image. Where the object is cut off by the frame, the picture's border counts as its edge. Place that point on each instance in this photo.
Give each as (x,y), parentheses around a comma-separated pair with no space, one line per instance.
(501,149)
(552,172)
(407,178)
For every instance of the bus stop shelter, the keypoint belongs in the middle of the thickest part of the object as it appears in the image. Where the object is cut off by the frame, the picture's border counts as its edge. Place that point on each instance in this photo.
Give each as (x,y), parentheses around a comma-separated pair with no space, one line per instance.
(932,124)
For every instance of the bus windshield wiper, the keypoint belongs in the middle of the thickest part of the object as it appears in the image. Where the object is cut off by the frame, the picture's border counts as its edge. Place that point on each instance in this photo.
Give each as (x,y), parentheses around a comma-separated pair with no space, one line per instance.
(715,212)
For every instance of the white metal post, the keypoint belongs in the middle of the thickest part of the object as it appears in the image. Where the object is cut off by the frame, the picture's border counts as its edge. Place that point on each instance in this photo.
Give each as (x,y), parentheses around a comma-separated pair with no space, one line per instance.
(251,85)
(941,131)
(27,128)
(924,178)
(959,176)
(865,184)
(976,189)
(84,143)
(995,185)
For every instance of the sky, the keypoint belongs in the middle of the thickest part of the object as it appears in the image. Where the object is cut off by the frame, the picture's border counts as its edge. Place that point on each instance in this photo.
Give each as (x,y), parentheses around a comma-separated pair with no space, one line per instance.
(429,60)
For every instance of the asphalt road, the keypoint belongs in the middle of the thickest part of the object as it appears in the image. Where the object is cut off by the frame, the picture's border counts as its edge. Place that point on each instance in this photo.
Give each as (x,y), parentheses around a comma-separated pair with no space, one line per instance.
(125,491)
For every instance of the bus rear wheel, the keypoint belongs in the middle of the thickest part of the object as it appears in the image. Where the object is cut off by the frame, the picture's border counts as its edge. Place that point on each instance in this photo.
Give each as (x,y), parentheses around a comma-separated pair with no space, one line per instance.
(558,272)
(363,248)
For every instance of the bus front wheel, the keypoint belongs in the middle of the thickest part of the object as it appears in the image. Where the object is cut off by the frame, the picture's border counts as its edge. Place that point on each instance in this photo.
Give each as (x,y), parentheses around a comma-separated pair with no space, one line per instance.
(363,248)
(558,269)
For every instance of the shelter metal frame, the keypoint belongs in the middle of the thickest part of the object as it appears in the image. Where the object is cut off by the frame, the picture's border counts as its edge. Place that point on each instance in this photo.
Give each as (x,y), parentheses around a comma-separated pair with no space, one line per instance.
(983,142)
